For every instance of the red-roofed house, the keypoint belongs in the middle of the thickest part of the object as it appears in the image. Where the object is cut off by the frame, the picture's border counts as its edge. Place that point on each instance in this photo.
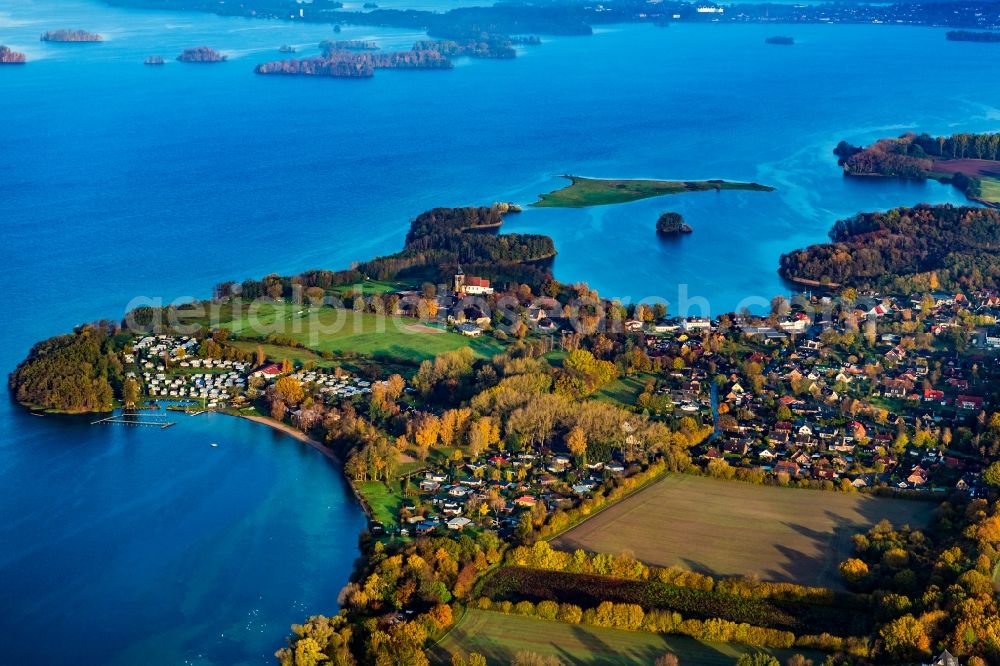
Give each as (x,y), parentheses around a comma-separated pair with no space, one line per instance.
(269,371)
(932,395)
(969,402)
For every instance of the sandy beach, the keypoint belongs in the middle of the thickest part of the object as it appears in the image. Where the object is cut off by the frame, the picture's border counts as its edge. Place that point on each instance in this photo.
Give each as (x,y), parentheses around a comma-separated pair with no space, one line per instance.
(297,434)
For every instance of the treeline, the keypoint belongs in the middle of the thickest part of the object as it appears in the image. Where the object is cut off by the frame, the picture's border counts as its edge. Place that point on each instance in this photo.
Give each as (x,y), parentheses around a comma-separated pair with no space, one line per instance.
(958,244)
(632,617)
(972,36)
(542,556)
(912,155)
(486,46)
(77,372)
(588,590)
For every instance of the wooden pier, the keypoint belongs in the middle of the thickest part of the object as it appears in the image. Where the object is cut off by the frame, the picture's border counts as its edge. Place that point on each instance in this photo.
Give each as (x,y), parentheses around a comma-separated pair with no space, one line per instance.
(136,420)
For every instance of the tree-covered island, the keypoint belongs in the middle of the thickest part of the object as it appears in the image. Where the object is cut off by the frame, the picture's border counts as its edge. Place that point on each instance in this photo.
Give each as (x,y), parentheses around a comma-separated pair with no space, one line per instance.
(70,36)
(201,54)
(672,224)
(11,57)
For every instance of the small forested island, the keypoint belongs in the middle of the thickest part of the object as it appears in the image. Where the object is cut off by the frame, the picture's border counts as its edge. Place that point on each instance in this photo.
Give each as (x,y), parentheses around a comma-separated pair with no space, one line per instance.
(200,54)
(370,5)
(905,250)
(779,40)
(493,46)
(346,68)
(357,59)
(70,36)
(671,224)
(9,57)
(154,60)
(583,192)
(285,48)
(972,36)
(970,162)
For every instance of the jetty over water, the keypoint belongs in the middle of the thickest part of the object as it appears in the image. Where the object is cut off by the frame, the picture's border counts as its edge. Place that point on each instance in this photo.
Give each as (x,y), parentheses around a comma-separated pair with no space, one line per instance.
(136,420)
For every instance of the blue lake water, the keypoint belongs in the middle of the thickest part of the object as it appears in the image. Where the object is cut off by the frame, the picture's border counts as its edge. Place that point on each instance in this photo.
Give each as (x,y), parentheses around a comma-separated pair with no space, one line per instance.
(120,181)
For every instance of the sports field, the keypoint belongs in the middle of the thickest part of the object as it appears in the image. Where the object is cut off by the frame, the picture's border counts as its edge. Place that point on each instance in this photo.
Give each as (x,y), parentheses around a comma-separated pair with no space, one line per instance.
(731,528)
(499,637)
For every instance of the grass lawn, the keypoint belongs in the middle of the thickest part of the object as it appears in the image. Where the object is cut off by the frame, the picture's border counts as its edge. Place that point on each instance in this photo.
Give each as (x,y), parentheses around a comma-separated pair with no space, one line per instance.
(370,288)
(623,390)
(990,189)
(385,503)
(499,637)
(339,331)
(279,352)
(731,528)
(583,192)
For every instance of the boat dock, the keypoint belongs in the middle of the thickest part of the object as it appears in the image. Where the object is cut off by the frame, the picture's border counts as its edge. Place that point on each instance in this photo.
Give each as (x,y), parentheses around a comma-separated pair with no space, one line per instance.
(136,420)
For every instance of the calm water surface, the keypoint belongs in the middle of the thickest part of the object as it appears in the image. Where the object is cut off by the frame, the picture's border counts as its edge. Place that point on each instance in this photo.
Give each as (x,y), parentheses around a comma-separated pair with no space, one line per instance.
(120,180)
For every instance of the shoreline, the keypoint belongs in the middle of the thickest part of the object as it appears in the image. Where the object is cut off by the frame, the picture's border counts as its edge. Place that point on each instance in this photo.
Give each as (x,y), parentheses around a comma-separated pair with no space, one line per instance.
(315,444)
(289,430)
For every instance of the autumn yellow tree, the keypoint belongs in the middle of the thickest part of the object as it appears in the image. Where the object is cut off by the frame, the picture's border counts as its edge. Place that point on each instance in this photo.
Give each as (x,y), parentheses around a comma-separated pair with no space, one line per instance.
(576,442)
(289,389)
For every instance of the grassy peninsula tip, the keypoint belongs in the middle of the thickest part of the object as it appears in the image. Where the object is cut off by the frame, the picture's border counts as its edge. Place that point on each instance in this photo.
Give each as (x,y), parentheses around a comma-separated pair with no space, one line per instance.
(583,192)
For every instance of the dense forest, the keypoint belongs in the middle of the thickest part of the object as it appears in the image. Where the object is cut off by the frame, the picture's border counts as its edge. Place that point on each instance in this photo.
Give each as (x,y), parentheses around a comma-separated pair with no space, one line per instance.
(935,586)
(438,242)
(73,373)
(949,246)
(443,238)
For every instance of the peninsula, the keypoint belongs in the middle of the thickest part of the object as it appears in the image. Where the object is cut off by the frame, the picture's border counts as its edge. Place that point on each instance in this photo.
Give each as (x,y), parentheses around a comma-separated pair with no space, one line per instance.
(583,192)
(970,162)
(507,461)
(201,54)
(9,57)
(905,250)
(70,36)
